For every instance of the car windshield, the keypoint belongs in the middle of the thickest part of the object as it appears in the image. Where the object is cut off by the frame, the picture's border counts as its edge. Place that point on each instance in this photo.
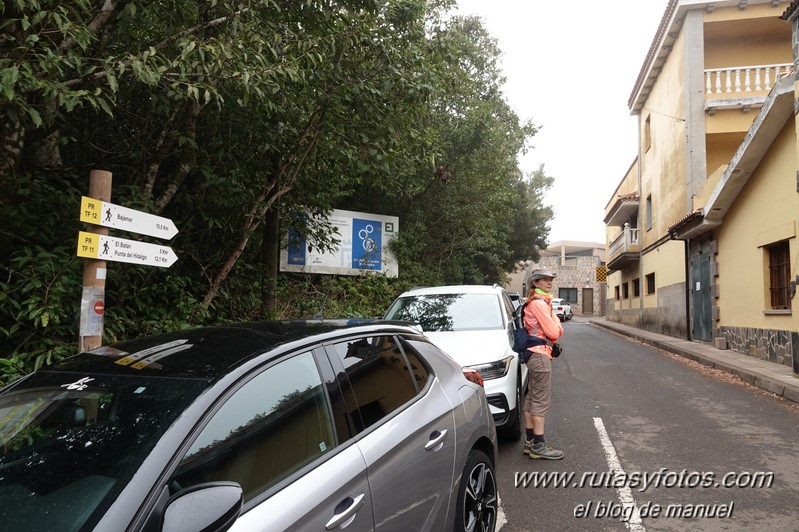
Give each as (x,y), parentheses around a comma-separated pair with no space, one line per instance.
(449,312)
(69,443)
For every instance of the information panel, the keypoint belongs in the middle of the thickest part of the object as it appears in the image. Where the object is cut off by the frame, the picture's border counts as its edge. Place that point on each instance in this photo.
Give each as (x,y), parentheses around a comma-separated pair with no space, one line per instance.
(363,246)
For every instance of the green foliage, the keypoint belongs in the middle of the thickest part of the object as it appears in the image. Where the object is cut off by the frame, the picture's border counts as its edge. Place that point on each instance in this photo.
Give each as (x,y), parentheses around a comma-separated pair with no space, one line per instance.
(331,297)
(37,310)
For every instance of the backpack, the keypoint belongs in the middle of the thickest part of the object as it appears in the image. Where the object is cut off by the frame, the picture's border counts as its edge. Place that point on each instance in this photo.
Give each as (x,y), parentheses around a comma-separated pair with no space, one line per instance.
(522,339)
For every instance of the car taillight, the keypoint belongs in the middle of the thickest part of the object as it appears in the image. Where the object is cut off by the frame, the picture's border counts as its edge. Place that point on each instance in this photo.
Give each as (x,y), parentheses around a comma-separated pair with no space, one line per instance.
(473,376)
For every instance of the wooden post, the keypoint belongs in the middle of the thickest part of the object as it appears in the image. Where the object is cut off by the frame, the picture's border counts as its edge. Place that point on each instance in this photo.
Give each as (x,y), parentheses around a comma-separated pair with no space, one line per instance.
(92,304)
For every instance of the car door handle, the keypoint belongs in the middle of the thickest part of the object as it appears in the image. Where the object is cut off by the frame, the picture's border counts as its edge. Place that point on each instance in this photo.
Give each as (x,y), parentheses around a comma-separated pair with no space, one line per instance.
(351,507)
(436,440)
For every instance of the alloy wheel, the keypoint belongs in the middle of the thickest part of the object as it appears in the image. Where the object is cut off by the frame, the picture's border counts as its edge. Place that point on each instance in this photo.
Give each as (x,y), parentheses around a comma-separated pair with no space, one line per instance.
(480,500)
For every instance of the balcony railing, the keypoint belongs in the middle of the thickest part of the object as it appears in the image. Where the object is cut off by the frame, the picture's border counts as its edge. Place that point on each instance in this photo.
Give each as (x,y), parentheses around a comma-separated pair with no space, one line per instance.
(735,81)
(624,248)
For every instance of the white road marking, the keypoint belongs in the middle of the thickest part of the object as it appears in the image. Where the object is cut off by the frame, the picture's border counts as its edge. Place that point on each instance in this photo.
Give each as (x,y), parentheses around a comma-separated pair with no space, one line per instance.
(501,520)
(625,494)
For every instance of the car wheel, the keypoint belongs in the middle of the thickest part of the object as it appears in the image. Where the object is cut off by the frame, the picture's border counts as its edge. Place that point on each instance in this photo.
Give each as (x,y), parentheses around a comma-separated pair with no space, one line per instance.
(513,429)
(477,496)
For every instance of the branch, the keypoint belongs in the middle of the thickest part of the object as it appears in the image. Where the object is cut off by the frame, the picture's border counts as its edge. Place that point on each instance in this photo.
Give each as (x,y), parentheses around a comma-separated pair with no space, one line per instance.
(187,160)
(103,19)
(265,200)
(162,148)
(102,74)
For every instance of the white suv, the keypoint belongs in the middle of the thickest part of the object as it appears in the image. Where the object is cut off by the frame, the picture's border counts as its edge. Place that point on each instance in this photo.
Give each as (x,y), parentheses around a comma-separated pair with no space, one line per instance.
(474,325)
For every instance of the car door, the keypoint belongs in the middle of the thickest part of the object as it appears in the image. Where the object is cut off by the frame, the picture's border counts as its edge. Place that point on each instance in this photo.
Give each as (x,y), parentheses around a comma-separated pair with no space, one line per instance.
(333,496)
(509,316)
(406,432)
(275,436)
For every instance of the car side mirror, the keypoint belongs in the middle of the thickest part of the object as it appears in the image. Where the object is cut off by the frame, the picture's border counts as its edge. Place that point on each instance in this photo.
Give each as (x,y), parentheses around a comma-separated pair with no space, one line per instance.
(209,507)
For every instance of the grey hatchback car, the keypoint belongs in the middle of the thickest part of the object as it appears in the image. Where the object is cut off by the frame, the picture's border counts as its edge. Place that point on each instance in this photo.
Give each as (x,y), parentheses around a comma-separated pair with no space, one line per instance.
(305,425)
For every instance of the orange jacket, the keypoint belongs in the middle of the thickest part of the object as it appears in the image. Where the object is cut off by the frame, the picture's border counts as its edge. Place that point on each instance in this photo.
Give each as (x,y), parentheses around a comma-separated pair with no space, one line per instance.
(540,321)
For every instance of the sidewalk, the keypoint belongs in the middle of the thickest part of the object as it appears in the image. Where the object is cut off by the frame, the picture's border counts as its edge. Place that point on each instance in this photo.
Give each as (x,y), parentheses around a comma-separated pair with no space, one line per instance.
(769,376)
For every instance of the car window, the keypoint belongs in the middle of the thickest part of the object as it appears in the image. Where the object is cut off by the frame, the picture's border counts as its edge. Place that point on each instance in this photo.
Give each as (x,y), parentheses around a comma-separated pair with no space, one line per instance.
(508,306)
(449,312)
(381,377)
(69,443)
(271,427)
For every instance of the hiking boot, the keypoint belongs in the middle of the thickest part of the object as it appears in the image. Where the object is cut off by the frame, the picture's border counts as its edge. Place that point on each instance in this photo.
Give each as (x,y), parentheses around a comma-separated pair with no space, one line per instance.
(544,451)
(528,447)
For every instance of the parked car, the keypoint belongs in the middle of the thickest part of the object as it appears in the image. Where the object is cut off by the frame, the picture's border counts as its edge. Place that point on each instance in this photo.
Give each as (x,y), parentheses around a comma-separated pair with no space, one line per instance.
(474,325)
(305,425)
(563,309)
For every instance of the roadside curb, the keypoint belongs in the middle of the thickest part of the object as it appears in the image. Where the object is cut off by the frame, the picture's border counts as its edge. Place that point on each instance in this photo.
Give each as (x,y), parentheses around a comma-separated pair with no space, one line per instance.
(768,376)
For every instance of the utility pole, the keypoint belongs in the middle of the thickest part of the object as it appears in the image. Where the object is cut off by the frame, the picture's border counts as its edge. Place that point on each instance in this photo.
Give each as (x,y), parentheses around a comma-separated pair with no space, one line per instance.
(92,302)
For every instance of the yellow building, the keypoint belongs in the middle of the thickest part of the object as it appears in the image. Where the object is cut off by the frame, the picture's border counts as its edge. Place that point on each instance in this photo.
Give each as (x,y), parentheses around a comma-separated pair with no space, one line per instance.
(701,231)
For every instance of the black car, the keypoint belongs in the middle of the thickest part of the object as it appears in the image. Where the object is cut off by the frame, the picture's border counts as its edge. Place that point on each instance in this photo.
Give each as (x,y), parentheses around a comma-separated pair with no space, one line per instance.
(311,425)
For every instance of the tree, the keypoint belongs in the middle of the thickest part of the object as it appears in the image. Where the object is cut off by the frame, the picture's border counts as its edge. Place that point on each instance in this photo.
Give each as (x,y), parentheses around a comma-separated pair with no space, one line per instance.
(462,208)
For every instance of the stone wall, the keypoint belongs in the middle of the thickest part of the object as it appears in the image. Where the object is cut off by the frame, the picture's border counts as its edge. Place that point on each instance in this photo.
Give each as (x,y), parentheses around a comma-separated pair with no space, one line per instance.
(765,344)
(579,273)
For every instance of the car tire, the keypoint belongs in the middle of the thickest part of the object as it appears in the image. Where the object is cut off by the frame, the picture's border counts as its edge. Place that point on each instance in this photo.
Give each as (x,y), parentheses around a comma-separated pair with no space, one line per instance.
(512,430)
(477,504)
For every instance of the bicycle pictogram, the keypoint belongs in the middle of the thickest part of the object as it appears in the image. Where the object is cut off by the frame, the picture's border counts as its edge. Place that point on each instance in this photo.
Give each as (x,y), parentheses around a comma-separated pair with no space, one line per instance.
(366,240)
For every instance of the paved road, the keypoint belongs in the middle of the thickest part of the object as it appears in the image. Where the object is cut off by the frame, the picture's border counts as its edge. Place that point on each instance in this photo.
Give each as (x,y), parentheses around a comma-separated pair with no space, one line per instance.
(672,430)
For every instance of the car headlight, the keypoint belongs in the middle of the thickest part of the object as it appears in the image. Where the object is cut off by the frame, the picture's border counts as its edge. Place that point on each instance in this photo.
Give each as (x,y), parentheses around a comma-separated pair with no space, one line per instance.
(493,370)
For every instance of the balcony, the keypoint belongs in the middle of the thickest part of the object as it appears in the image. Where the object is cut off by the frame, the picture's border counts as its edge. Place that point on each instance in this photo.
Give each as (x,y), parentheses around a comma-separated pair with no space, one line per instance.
(622,210)
(741,87)
(624,249)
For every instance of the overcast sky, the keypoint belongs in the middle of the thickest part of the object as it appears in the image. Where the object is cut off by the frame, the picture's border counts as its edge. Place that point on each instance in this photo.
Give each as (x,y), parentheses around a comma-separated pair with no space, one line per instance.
(570,68)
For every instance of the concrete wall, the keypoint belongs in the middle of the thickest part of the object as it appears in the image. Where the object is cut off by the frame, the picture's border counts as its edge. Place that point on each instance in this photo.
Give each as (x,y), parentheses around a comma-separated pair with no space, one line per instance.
(663,164)
(668,318)
(727,28)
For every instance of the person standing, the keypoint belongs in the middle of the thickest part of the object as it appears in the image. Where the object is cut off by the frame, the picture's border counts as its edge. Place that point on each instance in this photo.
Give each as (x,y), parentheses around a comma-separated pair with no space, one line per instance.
(540,320)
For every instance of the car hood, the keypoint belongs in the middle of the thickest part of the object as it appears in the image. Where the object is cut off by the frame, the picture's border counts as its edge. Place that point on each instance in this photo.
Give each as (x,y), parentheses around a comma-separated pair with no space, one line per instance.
(469,348)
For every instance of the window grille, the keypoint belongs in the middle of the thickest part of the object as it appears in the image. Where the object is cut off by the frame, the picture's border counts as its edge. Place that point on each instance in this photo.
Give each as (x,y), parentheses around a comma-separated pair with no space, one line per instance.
(779,269)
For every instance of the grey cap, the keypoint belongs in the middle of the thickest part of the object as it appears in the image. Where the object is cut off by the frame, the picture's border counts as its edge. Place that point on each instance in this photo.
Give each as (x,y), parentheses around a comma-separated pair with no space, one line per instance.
(540,274)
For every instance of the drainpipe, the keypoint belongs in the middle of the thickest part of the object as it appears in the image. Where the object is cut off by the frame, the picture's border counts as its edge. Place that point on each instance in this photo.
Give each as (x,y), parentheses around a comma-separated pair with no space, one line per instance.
(686,247)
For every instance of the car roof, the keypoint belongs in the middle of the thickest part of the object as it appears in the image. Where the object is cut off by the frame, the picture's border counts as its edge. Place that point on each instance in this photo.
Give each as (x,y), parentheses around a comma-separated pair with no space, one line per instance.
(210,352)
(455,289)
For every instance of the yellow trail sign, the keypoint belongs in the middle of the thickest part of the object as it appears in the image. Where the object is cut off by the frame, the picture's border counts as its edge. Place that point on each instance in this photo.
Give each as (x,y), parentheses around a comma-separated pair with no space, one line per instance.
(94,246)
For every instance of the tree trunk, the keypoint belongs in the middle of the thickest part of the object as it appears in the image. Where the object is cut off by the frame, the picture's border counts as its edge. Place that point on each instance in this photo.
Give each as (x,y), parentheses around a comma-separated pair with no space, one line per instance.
(12,140)
(271,250)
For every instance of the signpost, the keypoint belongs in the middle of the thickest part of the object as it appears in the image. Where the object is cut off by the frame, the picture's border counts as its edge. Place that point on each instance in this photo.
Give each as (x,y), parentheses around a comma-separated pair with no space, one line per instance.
(94,246)
(93,211)
(97,247)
